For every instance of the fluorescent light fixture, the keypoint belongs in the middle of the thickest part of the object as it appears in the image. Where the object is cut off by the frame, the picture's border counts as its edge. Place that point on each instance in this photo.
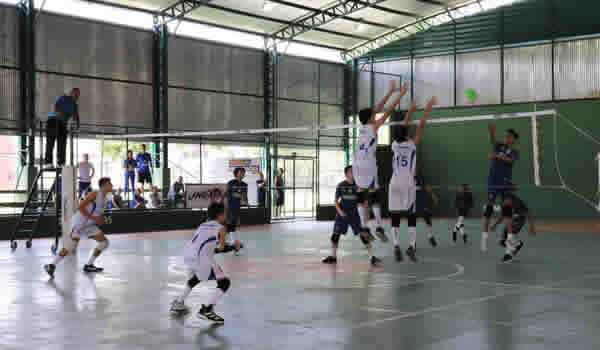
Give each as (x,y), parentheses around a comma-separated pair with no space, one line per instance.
(268,5)
(361,27)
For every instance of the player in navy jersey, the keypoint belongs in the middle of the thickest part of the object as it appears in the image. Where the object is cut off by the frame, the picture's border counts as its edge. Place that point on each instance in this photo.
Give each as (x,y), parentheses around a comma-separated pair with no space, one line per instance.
(463,203)
(237,195)
(425,200)
(500,184)
(346,196)
(521,215)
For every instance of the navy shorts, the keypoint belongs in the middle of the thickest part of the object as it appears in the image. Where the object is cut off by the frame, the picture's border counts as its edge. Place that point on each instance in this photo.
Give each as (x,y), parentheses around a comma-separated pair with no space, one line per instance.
(499,188)
(423,212)
(462,212)
(145,177)
(352,219)
(83,186)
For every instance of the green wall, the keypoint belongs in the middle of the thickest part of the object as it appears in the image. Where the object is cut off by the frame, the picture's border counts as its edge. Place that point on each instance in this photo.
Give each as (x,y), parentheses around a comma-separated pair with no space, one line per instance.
(455,153)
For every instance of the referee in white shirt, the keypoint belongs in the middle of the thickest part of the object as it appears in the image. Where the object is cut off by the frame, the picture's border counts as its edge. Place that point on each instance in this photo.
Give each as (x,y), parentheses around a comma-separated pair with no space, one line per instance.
(86,173)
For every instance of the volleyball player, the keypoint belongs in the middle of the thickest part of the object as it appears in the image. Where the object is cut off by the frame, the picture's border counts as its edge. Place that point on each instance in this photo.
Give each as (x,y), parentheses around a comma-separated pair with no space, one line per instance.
(85,222)
(402,190)
(463,203)
(521,215)
(347,215)
(365,165)
(199,258)
(425,200)
(237,194)
(503,158)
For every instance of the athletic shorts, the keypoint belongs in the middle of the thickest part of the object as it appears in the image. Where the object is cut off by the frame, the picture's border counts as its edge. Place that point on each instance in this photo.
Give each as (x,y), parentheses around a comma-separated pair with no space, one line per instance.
(87,231)
(204,267)
(145,177)
(402,198)
(424,213)
(462,212)
(341,224)
(83,186)
(365,177)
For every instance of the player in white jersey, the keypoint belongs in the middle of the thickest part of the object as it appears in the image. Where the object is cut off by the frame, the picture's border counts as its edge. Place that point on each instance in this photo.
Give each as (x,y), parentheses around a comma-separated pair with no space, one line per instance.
(199,259)
(364,167)
(402,190)
(85,223)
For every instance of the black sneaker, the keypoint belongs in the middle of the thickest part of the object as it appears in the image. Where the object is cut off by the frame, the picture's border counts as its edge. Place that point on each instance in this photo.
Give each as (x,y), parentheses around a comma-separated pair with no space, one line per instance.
(207,313)
(92,268)
(398,253)
(365,234)
(412,253)
(507,259)
(375,261)
(50,268)
(381,234)
(329,260)
(433,241)
(465,238)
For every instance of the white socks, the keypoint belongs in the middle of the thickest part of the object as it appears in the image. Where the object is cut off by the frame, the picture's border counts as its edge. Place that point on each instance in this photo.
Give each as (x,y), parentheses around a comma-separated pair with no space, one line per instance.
(92,258)
(511,242)
(57,259)
(377,212)
(412,236)
(369,251)
(186,291)
(235,236)
(396,236)
(362,212)
(484,238)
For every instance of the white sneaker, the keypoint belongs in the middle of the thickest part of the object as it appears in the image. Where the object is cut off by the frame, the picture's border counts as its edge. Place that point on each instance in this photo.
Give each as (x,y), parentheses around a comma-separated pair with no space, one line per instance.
(179,307)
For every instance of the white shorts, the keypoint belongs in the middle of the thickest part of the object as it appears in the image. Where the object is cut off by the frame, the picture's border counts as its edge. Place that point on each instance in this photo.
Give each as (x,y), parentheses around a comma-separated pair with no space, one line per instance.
(87,231)
(365,176)
(402,198)
(204,267)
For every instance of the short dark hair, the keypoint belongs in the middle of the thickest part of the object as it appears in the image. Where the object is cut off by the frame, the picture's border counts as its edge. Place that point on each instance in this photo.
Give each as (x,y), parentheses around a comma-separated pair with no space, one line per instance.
(400,133)
(103,181)
(513,132)
(364,115)
(129,151)
(214,210)
(76,89)
(236,171)
(349,167)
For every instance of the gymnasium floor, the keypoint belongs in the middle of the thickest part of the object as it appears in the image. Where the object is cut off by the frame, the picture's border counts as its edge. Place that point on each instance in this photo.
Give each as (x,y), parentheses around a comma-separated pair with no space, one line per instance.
(282,297)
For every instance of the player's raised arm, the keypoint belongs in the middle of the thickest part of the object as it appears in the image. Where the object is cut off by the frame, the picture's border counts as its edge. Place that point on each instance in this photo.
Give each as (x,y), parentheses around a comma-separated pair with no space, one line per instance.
(379,122)
(419,132)
(381,105)
(411,109)
(492,132)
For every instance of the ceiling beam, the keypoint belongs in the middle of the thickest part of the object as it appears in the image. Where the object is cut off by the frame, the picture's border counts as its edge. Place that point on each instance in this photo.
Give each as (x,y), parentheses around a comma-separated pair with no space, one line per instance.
(281,21)
(196,21)
(316,19)
(177,11)
(314,9)
(432,2)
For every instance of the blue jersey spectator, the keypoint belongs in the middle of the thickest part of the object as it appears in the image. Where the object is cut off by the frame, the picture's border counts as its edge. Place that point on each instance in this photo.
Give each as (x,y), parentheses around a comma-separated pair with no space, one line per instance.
(144,162)
(65,108)
(129,164)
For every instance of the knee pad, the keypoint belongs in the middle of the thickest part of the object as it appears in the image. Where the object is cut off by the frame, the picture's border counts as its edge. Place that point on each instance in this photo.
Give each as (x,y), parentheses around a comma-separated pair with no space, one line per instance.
(361,197)
(412,220)
(507,210)
(102,245)
(396,220)
(192,282)
(223,284)
(489,209)
(373,198)
(335,238)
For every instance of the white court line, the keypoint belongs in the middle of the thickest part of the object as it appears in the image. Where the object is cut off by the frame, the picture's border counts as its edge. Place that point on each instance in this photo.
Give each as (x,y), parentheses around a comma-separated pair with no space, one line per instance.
(462,303)
(377,309)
